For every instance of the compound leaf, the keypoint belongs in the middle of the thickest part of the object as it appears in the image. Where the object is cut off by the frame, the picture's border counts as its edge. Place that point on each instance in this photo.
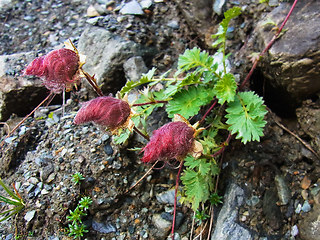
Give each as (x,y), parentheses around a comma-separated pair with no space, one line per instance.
(188,102)
(245,116)
(225,88)
(194,58)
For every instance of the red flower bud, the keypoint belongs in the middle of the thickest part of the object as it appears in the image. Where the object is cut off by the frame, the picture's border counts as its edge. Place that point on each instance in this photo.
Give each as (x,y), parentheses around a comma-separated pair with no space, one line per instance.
(173,140)
(106,111)
(58,69)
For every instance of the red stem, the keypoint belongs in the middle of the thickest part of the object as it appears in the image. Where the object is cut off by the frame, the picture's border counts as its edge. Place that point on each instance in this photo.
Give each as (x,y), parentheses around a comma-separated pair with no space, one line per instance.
(225,144)
(148,103)
(208,111)
(25,118)
(175,199)
(93,83)
(268,46)
(140,133)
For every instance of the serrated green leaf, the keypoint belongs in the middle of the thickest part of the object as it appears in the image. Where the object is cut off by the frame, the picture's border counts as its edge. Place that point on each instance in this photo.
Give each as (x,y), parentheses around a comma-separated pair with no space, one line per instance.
(196,188)
(188,102)
(245,116)
(225,88)
(194,58)
(223,27)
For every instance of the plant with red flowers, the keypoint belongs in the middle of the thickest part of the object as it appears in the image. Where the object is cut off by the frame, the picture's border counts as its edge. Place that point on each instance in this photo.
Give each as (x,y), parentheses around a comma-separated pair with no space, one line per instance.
(202,86)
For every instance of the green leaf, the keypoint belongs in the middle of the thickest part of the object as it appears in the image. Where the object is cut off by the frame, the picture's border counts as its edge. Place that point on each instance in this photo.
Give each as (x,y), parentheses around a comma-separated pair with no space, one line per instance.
(196,187)
(194,58)
(245,116)
(188,102)
(225,88)
(223,27)
(122,137)
(146,78)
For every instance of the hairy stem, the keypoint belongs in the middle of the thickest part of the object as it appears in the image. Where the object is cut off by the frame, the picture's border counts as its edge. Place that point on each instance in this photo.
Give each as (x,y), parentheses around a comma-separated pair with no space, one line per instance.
(140,133)
(93,83)
(148,103)
(26,117)
(275,37)
(175,200)
(225,144)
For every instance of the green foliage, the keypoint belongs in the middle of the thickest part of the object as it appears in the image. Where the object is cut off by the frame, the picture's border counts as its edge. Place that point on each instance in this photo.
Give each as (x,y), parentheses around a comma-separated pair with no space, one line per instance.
(225,88)
(200,216)
(198,180)
(76,228)
(197,85)
(223,27)
(14,200)
(188,102)
(245,116)
(77,177)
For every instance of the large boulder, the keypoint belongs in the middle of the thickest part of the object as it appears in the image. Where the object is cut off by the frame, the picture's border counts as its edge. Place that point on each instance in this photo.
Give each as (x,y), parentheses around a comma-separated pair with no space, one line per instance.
(292,65)
(18,94)
(106,53)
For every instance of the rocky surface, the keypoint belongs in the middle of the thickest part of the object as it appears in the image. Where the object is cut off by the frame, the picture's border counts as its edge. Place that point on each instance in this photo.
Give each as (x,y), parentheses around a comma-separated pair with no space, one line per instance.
(271,189)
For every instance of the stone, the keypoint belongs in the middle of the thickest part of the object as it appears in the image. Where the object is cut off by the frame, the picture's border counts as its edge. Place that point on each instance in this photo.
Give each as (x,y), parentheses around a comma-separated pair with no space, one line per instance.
(198,15)
(162,225)
(145,4)
(134,67)
(132,8)
(309,226)
(103,227)
(29,215)
(18,94)
(92,11)
(167,197)
(227,226)
(106,54)
(5,4)
(218,6)
(308,116)
(292,65)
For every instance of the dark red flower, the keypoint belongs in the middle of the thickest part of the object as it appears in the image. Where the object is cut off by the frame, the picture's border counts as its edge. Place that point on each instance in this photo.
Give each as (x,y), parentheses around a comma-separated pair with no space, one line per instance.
(106,111)
(58,69)
(172,141)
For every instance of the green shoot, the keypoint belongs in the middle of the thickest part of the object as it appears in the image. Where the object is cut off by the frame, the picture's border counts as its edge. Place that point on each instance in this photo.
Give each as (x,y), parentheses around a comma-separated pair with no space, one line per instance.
(77,177)
(15,200)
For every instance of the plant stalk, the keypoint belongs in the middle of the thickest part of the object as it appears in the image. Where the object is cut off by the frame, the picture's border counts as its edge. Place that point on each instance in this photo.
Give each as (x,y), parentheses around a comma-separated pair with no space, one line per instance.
(175,200)
(275,37)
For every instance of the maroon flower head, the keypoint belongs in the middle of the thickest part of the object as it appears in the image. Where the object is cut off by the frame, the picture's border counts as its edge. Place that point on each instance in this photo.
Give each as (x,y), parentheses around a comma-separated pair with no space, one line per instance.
(171,141)
(58,69)
(106,111)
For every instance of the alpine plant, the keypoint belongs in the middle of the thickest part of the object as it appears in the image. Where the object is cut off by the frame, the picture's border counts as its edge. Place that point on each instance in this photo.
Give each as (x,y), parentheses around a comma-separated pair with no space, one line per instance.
(59,69)
(108,112)
(174,140)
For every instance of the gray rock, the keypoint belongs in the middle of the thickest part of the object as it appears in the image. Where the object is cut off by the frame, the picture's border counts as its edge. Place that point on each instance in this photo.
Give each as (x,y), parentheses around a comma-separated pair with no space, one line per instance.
(134,67)
(167,197)
(218,6)
(132,8)
(227,226)
(29,215)
(284,193)
(106,54)
(293,62)
(173,24)
(162,225)
(18,94)
(103,227)
(309,226)
(145,4)
(5,4)
(198,14)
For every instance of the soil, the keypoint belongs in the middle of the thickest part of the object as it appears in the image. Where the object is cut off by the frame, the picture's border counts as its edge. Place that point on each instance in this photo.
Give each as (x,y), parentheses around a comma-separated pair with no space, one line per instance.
(278,174)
